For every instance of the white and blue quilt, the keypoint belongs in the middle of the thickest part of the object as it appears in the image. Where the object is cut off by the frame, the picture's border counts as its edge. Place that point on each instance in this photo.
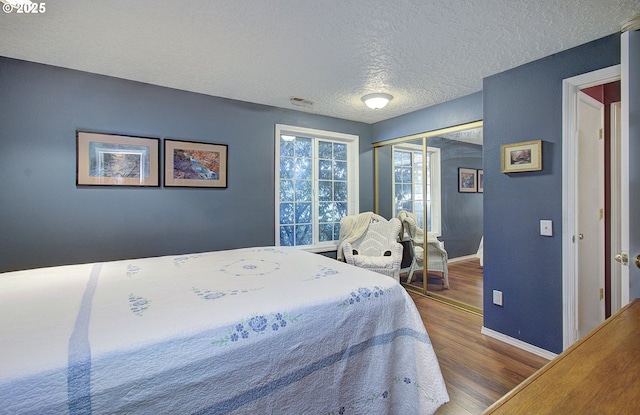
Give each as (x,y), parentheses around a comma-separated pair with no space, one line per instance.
(266,330)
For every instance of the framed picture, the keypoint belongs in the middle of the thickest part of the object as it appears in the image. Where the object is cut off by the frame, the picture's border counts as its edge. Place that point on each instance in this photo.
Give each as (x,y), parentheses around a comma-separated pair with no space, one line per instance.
(194,164)
(525,156)
(116,160)
(480,181)
(467,180)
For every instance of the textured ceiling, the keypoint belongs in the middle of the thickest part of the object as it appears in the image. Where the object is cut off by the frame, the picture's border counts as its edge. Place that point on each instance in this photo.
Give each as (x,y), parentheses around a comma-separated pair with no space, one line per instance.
(330,52)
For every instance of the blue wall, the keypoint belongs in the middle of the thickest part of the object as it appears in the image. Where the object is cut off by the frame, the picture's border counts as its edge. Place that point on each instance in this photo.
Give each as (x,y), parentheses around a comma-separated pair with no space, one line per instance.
(524,104)
(634,152)
(47,220)
(461,212)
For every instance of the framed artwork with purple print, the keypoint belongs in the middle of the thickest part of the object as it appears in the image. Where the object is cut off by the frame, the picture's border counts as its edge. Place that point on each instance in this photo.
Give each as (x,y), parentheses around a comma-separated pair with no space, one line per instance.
(194,164)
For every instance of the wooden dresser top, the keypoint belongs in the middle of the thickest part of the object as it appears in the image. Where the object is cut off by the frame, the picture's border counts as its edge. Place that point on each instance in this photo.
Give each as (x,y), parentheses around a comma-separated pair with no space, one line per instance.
(599,374)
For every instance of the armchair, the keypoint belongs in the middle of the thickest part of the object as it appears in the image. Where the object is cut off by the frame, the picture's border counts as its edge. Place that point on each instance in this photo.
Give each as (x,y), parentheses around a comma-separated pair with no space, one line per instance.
(437,256)
(377,248)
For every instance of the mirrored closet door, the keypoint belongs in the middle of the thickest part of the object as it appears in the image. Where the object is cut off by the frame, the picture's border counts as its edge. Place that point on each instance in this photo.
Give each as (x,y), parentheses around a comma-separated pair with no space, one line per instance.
(433,182)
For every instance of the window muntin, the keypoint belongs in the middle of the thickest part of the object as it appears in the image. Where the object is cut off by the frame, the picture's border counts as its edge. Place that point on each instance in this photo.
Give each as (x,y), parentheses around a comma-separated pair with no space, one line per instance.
(408,184)
(316,185)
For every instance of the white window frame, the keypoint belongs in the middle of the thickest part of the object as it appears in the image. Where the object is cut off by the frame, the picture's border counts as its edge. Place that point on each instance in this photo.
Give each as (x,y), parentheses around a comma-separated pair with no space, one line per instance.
(435,176)
(353,188)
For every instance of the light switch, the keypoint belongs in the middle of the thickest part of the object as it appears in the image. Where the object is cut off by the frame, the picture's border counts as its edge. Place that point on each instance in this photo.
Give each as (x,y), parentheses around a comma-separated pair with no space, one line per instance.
(497,297)
(546,228)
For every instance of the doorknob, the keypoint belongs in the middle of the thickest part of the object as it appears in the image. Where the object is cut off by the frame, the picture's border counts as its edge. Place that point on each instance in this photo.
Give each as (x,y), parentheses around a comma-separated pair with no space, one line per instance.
(622,258)
(637,260)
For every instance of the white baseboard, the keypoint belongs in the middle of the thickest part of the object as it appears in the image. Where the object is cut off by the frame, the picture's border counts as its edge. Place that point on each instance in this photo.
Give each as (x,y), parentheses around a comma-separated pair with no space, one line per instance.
(462,258)
(518,343)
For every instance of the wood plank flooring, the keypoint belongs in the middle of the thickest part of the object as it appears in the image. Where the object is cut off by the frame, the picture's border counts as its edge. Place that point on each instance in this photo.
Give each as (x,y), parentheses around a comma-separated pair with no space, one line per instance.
(477,369)
(465,282)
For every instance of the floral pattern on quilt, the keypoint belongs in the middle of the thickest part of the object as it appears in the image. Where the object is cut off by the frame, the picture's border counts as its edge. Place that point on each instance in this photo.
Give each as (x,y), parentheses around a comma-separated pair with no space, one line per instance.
(364,294)
(250,267)
(408,382)
(214,295)
(178,261)
(132,270)
(138,304)
(360,405)
(324,272)
(271,250)
(256,326)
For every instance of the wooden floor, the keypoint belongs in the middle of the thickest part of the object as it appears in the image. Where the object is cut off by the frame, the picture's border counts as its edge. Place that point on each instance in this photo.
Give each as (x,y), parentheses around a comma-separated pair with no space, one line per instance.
(477,369)
(465,282)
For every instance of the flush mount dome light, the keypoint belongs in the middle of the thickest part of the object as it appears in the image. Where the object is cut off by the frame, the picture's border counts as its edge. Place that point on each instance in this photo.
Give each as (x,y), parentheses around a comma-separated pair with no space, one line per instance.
(376,101)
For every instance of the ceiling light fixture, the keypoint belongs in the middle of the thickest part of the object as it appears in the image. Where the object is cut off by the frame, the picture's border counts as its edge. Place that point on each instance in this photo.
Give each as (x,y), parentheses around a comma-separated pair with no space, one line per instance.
(376,101)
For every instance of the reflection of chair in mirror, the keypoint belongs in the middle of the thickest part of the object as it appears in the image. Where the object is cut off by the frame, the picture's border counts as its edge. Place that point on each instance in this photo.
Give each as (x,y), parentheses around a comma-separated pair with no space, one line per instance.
(370,241)
(436,254)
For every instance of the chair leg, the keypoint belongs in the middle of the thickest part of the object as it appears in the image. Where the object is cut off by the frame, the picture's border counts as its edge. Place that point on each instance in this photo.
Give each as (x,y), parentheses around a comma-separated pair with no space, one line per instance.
(445,279)
(411,271)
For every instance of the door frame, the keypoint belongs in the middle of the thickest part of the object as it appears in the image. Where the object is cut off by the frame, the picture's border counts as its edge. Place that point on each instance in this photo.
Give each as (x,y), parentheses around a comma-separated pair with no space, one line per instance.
(570,89)
(618,205)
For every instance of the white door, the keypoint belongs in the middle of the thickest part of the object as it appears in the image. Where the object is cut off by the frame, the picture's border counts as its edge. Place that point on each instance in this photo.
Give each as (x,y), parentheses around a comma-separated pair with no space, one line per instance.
(572,180)
(590,214)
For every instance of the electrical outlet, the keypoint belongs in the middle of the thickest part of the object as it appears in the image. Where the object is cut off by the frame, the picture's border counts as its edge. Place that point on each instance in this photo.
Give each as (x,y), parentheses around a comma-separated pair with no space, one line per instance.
(497,297)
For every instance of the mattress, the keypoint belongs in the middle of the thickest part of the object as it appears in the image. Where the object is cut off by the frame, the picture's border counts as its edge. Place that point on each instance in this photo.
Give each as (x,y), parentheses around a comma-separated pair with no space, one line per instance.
(256,330)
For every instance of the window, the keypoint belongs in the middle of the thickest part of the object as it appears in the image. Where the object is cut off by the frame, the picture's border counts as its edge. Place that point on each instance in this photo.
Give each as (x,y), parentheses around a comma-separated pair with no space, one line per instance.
(316,186)
(408,184)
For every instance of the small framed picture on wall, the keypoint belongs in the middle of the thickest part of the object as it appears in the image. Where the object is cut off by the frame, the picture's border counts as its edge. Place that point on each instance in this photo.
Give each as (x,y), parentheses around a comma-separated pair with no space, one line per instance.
(467,180)
(480,181)
(524,156)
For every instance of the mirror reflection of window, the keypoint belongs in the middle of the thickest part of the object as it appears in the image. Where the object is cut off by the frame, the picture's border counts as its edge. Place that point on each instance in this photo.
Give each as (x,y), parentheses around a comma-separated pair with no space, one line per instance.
(408,184)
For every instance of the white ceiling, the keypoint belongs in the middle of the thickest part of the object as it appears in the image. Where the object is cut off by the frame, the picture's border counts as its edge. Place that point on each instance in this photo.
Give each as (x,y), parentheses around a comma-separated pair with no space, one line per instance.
(330,52)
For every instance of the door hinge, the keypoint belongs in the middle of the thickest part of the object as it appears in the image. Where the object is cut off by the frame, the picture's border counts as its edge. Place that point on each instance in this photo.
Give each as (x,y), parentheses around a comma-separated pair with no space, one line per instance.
(601,134)
(622,258)
(601,293)
(601,214)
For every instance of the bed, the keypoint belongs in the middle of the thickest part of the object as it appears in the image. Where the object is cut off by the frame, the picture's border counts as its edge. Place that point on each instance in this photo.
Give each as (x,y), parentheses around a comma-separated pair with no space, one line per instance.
(246,331)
